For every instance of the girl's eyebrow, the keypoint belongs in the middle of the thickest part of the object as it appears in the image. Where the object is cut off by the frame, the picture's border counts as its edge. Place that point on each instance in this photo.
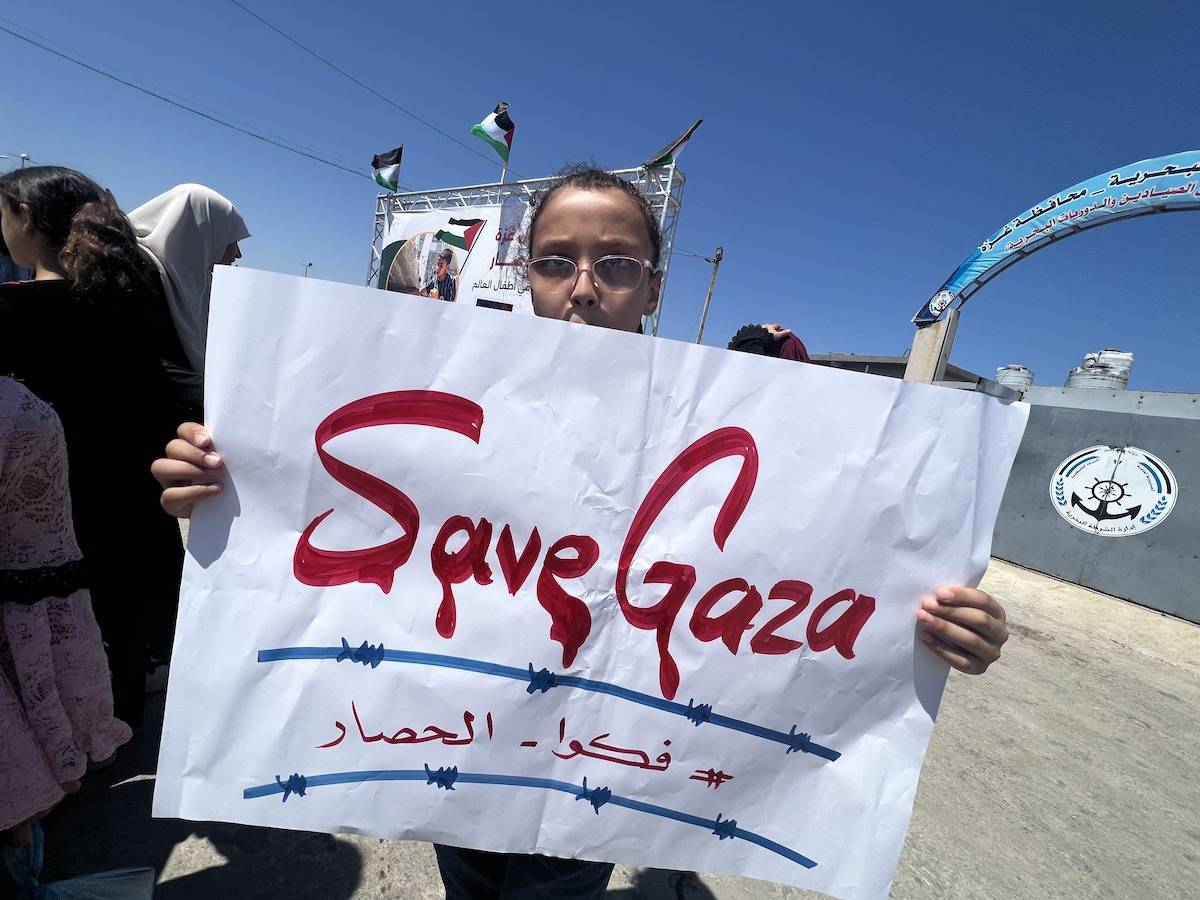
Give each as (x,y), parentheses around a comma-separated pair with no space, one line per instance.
(606,246)
(554,248)
(618,245)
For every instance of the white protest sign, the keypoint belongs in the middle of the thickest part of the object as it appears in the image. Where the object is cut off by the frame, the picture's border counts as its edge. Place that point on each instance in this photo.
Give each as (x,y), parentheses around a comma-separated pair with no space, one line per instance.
(608,596)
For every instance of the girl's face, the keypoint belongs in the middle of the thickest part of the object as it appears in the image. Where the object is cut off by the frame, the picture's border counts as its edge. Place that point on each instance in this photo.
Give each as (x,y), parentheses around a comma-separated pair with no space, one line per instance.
(14,226)
(583,226)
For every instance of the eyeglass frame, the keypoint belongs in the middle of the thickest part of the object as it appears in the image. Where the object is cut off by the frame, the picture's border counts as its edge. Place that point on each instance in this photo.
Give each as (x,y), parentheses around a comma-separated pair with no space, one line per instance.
(590,269)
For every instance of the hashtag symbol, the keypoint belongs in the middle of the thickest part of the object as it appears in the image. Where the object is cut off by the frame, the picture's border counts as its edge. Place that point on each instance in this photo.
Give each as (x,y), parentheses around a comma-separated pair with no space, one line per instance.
(711,778)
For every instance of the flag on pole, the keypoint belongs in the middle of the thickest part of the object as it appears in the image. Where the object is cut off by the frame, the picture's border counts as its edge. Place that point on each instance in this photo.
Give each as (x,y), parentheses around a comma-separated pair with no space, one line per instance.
(670,153)
(497,129)
(387,168)
(460,232)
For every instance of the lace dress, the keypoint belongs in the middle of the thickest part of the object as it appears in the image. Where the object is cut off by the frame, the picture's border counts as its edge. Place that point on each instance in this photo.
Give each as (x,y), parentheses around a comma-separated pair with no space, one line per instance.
(55,698)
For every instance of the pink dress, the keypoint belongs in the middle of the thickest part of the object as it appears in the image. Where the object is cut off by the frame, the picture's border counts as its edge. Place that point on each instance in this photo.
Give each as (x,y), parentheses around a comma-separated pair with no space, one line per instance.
(55,695)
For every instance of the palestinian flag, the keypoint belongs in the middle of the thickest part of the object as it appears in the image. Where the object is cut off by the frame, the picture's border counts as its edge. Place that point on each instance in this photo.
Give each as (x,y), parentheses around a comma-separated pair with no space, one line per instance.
(460,232)
(497,129)
(387,168)
(670,153)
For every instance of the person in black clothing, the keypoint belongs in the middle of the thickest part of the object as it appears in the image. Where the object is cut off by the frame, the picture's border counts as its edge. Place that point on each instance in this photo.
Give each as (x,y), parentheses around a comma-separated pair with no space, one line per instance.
(442,285)
(84,336)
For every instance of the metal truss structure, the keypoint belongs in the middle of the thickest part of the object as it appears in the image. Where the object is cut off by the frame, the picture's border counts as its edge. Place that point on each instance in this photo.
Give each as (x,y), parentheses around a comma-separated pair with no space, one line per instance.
(662,187)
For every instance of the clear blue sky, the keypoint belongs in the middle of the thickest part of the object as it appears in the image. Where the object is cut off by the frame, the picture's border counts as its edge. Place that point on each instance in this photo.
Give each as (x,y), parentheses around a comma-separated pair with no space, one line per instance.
(851,155)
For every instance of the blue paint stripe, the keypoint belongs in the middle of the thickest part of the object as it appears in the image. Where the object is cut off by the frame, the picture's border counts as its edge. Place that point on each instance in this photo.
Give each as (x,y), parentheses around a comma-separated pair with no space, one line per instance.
(400,656)
(546,784)
(585,684)
(1154,475)
(1080,463)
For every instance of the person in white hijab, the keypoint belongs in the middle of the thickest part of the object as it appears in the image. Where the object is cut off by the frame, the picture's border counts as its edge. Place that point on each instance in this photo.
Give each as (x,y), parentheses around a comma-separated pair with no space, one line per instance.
(187,231)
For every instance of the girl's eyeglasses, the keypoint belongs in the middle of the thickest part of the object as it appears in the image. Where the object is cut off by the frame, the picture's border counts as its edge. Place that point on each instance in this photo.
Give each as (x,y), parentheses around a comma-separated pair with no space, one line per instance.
(613,274)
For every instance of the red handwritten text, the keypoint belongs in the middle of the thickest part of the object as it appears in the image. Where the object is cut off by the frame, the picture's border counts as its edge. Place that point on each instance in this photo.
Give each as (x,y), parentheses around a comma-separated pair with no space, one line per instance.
(835,623)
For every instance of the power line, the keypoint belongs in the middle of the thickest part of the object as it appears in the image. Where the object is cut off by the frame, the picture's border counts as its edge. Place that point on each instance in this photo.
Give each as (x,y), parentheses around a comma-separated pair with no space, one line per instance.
(185,105)
(388,100)
(24,157)
(160,89)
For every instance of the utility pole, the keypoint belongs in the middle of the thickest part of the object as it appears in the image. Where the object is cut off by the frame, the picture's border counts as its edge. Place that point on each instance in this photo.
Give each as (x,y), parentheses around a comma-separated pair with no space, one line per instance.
(712,282)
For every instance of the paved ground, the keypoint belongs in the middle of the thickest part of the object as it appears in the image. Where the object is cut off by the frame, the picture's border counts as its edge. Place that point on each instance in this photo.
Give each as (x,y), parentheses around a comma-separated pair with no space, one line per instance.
(1072,769)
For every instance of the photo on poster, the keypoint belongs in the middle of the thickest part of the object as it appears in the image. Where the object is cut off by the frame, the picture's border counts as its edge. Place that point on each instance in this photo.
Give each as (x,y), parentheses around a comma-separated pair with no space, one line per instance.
(430,263)
(485,247)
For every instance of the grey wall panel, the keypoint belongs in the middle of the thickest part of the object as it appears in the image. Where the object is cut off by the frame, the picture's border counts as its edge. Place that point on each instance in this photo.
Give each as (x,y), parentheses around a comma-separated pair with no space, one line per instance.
(1158,568)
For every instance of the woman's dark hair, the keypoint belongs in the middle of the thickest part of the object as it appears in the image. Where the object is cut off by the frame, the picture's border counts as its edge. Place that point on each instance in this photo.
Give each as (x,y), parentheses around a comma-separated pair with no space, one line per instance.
(590,178)
(96,244)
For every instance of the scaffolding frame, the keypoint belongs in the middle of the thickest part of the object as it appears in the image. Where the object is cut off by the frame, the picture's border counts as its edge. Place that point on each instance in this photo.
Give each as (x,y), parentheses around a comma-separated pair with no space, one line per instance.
(662,187)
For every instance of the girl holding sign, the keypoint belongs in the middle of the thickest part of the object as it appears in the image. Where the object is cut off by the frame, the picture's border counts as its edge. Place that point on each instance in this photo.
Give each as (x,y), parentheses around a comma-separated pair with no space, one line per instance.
(594,248)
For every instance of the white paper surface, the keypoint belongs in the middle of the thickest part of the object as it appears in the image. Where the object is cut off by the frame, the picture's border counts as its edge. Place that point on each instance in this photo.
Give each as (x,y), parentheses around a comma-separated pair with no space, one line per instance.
(863,483)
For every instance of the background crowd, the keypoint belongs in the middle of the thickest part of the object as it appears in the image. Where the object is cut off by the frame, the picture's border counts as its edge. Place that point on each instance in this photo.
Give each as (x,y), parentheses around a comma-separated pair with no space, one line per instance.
(101,355)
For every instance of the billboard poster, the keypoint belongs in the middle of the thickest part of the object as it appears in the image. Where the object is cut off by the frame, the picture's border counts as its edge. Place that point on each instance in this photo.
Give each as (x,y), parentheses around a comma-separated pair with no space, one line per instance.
(466,255)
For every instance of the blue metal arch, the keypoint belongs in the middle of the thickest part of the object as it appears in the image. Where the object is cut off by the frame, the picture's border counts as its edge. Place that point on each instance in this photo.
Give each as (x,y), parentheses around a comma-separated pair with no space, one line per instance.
(1166,184)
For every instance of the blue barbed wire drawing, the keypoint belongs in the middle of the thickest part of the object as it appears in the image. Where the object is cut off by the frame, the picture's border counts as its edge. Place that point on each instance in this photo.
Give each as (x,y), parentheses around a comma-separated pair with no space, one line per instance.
(722,828)
(295,784)
(444,778)
(542,680)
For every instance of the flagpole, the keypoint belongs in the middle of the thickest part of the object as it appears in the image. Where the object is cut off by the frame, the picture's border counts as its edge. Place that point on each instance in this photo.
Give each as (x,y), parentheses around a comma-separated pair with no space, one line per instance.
(503,172)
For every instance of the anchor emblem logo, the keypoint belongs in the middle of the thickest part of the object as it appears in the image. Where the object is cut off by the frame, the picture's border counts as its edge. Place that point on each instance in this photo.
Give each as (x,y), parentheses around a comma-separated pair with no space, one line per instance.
(1106,492)
(1113,492)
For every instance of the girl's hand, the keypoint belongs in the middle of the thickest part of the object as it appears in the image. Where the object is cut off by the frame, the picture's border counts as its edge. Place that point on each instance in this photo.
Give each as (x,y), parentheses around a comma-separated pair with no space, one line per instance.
(965,627)
(21,835)
(191,470)
(778,332)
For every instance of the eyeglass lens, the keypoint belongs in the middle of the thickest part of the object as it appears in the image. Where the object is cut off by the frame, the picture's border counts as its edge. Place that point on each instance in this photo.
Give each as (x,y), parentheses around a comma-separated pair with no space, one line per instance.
(617,273)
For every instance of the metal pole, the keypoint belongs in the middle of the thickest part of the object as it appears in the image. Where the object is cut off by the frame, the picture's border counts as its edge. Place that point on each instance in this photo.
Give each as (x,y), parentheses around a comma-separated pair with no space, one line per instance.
(24,159)
(662,224)
(381,212)
(930,353)
(712,283)
(307,266)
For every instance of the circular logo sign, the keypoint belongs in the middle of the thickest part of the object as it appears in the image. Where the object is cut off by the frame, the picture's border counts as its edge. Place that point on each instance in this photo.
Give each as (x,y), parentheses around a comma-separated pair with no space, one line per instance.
(1113,491)
(940,301)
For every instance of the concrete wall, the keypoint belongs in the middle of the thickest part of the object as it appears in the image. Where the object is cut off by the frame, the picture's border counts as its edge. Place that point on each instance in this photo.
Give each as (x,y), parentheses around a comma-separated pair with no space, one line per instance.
(1159,568)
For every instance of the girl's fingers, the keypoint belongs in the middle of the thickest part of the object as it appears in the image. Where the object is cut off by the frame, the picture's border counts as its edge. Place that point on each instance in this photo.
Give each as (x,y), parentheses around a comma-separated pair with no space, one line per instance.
(185,451)
(177,501)
(955,657)
(778,331)
(962,639)
(964,626)
(195,434)
(190,471)
(978,620)
(174,473)
(956,595)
